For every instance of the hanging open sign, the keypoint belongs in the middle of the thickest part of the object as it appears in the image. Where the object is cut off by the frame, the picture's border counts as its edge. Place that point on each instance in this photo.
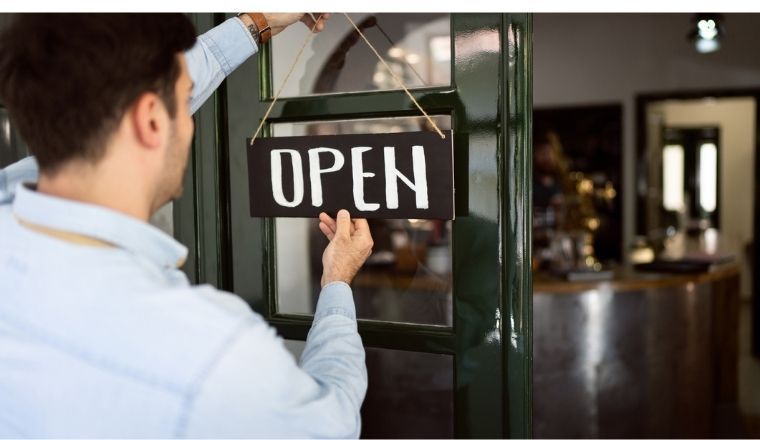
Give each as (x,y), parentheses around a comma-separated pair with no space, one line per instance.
(395,175)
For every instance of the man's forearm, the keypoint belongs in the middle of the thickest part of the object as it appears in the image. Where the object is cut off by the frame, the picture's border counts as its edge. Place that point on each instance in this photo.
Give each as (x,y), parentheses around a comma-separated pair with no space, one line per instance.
(216,54)
(334,353)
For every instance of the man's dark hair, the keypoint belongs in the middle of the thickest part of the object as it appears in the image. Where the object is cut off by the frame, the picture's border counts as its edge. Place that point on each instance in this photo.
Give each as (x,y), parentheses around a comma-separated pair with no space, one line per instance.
(67,79)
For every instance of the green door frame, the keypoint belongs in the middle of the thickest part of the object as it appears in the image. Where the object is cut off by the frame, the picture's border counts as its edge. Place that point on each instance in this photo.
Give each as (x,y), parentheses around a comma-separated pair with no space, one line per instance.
(492,332)
(201,214)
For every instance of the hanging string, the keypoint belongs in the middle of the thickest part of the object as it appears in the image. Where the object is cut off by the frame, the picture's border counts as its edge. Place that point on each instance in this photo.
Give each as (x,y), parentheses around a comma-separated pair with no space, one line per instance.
(298,57)
(285,81)
(398,80)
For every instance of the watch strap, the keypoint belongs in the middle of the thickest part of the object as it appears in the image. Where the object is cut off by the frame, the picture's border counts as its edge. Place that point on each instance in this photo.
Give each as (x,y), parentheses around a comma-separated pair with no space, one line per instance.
(265,31)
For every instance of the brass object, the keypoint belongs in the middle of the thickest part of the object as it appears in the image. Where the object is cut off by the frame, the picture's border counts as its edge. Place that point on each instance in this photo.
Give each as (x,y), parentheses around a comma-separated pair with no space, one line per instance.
(570,242)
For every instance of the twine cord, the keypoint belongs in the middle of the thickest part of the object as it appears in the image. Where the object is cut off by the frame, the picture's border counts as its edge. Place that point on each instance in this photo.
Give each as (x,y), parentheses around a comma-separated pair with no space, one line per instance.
(285,81)
(398,80)
(298,57)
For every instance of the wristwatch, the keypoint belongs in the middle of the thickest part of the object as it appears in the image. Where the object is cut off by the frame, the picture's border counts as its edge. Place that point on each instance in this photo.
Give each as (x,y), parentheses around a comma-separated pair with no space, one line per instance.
(259,27)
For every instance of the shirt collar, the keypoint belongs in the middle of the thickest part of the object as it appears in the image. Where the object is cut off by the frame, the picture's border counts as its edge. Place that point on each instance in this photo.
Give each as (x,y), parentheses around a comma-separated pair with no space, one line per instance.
(101,223)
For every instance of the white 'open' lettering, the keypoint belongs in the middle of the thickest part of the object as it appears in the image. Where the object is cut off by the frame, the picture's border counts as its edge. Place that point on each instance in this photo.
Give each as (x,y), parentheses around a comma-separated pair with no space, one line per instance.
(279,196)
(358,174)
(316,171)
(419,186)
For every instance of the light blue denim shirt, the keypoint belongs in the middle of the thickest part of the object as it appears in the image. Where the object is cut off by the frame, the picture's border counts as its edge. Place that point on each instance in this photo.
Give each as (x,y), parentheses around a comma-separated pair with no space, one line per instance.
(113,341)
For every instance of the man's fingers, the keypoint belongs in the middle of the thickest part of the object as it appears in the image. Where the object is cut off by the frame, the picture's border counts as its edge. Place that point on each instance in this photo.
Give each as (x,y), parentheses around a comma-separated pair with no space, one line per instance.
(329,233)
(309,19)
(362,227)
(344,224)
(321,18)
(353,225)
(328,221)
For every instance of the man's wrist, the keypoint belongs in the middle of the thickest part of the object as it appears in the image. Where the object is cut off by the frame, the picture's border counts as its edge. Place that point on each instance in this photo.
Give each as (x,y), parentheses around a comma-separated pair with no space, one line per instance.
(336,282)
(257,25)
(335,298)
(251,26)
(336,279)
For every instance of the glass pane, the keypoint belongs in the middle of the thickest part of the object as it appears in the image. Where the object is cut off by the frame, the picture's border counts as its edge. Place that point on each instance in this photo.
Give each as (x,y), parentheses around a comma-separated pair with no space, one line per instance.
(407,278)
(410,395)
(417,47)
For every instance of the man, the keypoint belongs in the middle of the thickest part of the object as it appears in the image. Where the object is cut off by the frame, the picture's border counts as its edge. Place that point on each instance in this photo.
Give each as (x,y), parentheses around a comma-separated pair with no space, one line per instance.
(101,334)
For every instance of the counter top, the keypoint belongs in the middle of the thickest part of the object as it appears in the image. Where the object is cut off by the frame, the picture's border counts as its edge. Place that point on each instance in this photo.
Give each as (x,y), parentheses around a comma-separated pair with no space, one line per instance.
(627,279)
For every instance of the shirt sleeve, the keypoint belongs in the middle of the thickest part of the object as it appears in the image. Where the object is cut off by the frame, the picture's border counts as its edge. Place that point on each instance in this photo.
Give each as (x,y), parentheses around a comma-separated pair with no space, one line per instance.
(257,389)
(216,54)
(24,170)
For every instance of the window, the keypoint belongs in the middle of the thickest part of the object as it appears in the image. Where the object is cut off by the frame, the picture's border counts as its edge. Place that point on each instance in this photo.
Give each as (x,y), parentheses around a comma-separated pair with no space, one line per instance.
(408,276)
(417,47)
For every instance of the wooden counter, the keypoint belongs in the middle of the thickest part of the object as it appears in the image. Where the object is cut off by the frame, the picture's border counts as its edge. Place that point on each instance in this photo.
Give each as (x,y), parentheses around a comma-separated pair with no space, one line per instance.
(642,355)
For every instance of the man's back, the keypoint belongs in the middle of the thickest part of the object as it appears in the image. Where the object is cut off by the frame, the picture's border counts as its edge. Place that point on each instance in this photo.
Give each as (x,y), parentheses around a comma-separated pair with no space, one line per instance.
(107,338)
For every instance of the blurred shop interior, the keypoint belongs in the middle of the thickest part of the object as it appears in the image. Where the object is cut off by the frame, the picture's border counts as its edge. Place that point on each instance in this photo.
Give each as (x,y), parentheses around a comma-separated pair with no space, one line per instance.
(644,196)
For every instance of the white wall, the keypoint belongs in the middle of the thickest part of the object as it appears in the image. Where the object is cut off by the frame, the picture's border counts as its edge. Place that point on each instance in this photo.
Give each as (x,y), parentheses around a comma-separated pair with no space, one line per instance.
(601,58)
(736,119)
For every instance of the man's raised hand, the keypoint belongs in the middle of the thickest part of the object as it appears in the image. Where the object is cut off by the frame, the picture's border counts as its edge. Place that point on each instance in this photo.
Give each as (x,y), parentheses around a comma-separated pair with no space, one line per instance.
(278,21)
(350,246)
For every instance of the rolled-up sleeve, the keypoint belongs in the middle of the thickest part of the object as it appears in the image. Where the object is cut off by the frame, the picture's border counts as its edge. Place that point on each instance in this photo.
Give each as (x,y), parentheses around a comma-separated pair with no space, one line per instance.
(216,54)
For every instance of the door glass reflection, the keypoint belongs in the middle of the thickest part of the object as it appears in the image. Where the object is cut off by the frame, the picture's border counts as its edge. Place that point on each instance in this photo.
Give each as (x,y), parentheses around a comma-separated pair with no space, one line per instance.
(408,276)
(410,395)
(417,48)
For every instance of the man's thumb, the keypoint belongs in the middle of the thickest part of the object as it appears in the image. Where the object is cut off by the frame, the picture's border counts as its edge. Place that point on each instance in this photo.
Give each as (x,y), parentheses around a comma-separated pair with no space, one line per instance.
(343,228)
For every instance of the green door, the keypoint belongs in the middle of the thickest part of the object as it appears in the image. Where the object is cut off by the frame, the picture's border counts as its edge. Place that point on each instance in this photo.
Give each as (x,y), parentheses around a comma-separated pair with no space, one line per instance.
(444,307)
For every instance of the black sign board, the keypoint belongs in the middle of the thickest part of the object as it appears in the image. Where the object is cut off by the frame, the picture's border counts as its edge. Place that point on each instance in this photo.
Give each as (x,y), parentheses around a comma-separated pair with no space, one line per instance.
(395,175)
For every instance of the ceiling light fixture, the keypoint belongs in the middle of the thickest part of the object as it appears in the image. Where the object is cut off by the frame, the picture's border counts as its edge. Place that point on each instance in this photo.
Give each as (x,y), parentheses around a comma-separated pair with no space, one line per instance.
(706,32)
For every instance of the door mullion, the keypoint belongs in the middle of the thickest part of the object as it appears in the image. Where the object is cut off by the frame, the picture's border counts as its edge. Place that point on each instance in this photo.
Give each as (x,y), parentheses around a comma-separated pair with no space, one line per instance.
(516,194)
(479,371)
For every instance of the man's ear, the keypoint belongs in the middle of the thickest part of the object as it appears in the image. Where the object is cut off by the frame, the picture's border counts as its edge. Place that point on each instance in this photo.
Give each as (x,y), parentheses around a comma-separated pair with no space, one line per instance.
(150,120)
